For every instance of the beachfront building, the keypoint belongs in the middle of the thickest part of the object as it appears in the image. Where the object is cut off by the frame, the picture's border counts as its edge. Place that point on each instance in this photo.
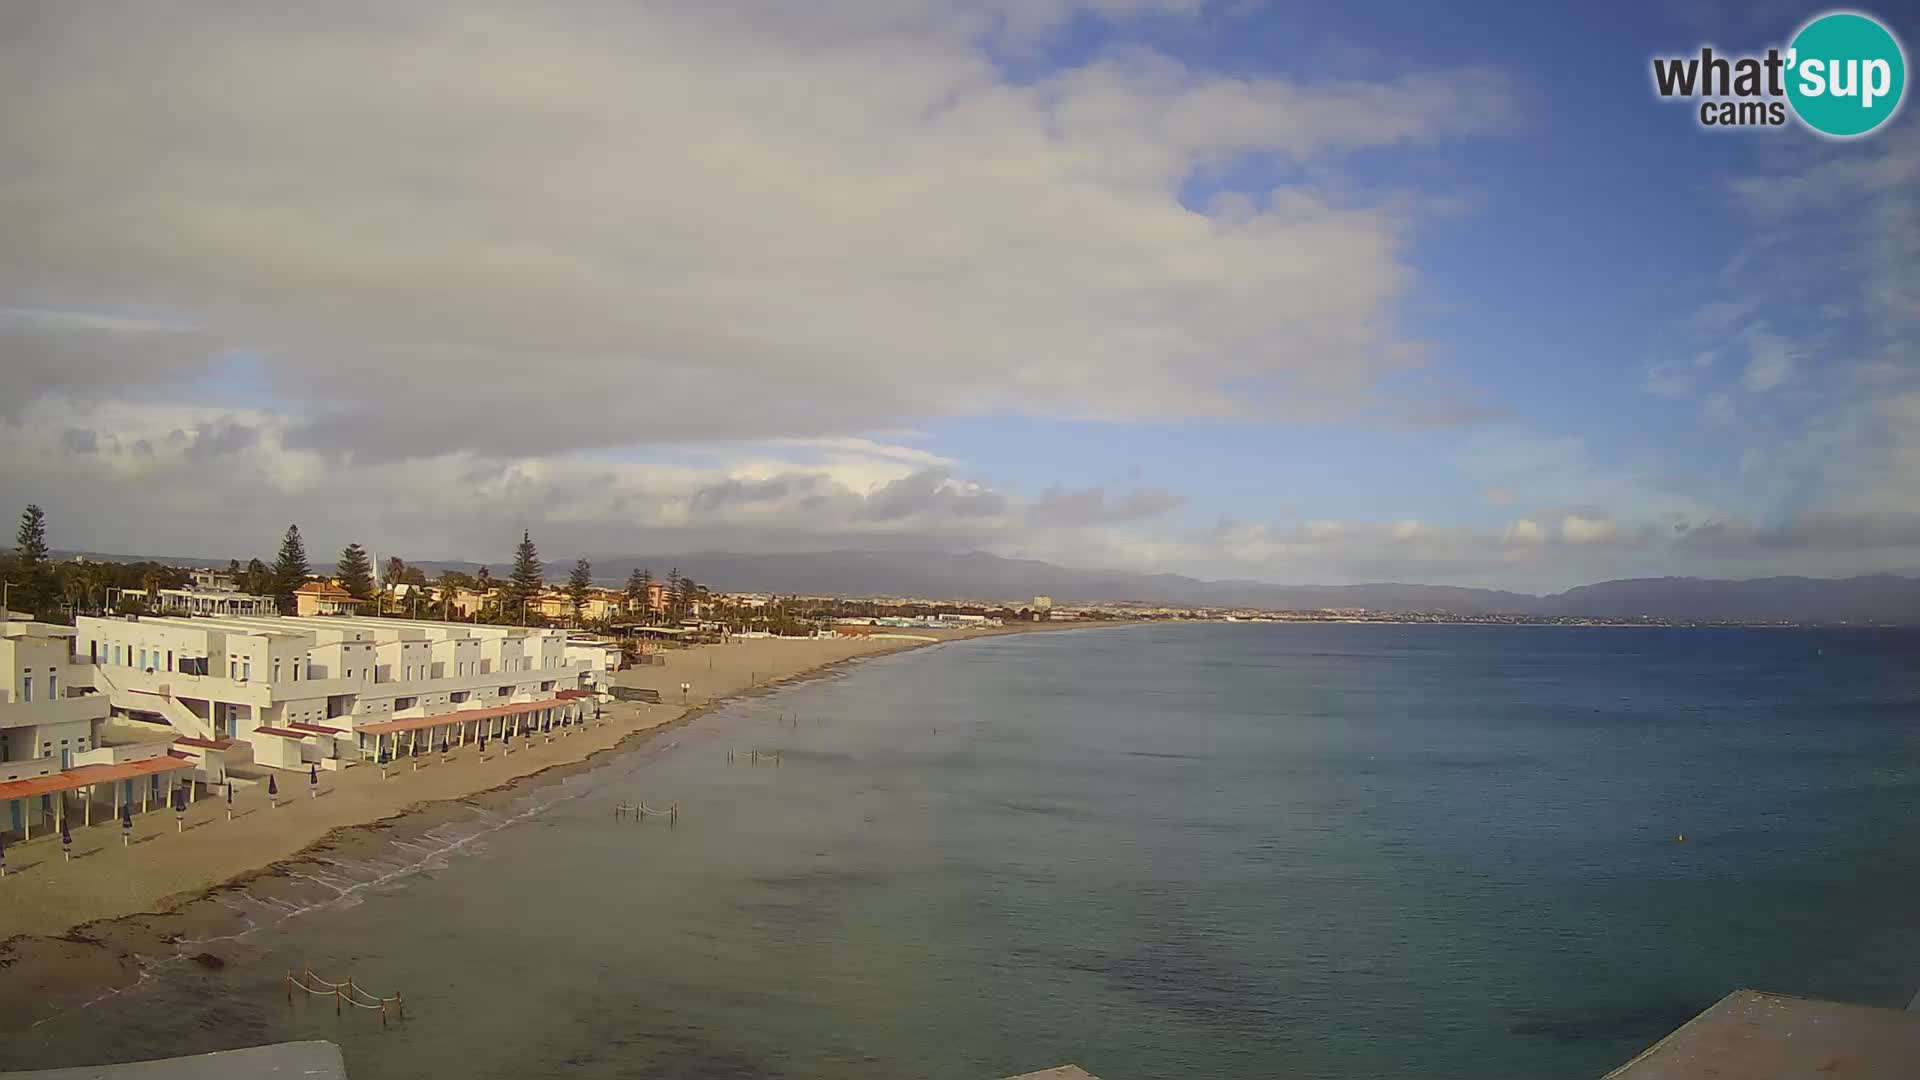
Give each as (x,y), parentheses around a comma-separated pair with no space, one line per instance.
(46,710)
(198,601)
(52,764)
(601,605)
(331,690)
(324,598)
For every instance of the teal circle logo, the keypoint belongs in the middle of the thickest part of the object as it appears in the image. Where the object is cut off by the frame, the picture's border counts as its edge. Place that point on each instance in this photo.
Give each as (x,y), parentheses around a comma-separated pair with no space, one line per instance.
(1846,74)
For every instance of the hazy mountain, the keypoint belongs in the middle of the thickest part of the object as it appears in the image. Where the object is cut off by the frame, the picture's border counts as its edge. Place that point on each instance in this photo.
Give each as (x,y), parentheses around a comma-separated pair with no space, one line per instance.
(977,575)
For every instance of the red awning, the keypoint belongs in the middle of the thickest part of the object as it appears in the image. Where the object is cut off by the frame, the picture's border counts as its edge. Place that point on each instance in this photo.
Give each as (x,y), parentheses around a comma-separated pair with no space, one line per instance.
(415,723)
(318,729)
(282,732)
(204,744)
(91,774)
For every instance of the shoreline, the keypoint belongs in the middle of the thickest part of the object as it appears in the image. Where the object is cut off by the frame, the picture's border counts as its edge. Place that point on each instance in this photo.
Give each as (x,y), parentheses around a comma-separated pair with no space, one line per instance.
(116,941)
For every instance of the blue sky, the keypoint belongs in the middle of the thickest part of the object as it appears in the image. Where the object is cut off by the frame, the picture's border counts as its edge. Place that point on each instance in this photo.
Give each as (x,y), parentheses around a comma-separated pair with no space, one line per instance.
(1299,292)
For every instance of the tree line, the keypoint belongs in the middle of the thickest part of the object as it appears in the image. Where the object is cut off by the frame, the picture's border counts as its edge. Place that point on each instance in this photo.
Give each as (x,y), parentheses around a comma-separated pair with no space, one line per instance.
(36,584)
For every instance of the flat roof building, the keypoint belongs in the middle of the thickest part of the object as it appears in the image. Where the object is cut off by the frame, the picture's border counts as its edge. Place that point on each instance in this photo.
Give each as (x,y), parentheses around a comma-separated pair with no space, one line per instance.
(269,680)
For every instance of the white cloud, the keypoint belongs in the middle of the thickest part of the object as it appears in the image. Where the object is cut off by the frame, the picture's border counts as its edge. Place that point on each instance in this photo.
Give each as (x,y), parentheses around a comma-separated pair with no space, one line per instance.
(1525,531)
(1579,529)
(1770,362)
(715,220)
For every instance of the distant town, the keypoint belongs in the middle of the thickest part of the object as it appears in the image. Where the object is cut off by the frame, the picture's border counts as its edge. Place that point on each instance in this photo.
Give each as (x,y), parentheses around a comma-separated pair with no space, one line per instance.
(644,606)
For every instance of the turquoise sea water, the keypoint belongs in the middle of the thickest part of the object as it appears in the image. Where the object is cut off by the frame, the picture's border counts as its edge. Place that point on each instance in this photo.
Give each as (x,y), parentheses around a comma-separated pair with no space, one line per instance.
(1225,851)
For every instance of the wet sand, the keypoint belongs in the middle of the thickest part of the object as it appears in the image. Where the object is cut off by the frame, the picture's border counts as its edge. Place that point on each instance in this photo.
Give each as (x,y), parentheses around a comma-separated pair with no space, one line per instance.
(76,929)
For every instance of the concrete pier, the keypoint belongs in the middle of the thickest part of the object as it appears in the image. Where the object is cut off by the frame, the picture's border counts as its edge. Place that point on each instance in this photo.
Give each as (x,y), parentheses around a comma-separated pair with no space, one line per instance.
(315,1060)
(1749,1035)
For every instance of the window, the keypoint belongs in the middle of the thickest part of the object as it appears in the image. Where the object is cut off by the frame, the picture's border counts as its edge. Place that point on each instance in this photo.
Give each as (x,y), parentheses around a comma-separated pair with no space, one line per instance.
(276,669)
(246,669)
(93,652)
(26,693)
(53,688)
(169,659)
(233,668)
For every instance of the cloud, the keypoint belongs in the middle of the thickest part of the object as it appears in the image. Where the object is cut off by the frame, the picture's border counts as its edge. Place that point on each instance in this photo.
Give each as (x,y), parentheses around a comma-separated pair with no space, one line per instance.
(1889,529)
(1091,505)
(705,221)
(1525,531)
(1770,362)
(1580,529)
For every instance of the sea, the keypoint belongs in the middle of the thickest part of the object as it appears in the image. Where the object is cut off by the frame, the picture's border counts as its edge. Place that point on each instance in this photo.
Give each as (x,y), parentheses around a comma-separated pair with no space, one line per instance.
(1221,850)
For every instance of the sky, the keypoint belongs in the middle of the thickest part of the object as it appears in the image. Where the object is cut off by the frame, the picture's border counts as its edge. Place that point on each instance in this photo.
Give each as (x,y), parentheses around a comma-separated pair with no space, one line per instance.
(1304,292)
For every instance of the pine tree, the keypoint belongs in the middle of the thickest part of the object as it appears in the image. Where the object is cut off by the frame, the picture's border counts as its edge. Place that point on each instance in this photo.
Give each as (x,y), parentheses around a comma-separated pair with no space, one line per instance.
(636,591)
(673,596)
(646,594)
(355,572)
(33,593)
(30,543)
(290,569)
(256,578)
(526,579)
(579,587)
(689,593)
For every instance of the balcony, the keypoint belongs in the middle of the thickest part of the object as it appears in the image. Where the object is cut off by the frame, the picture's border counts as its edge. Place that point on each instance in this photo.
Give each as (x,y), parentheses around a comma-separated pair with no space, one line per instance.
(60,711)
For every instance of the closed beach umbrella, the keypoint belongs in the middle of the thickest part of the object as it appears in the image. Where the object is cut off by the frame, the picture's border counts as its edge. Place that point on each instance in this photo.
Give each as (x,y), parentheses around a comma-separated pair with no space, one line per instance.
(3,855)
(313,780)
(66,839)
(443,746)
(273,791)
(126,824)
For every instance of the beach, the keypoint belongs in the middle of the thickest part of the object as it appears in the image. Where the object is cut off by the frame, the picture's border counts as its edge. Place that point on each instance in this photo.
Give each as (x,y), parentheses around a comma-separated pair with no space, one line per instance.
(70,924)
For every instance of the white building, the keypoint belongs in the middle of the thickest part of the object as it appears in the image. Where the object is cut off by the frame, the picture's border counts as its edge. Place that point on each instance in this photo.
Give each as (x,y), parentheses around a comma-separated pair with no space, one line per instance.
(50,748)
(46,708)
(320,689)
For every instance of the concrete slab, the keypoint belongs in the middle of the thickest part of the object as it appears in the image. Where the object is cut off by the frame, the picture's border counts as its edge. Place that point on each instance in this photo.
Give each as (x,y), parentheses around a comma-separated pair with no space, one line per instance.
(316,1060)
(1061,1072)
(1749,1035)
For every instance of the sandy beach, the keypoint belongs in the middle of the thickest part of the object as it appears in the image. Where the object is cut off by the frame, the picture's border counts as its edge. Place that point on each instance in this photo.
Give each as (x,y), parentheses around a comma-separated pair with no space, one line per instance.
(70,925)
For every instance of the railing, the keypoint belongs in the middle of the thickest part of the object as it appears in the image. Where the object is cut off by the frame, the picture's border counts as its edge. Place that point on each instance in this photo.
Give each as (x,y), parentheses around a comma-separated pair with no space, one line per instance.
(344,993)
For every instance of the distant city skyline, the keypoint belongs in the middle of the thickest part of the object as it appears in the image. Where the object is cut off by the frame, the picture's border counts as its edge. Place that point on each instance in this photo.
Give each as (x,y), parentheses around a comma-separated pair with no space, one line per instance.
(1315,294)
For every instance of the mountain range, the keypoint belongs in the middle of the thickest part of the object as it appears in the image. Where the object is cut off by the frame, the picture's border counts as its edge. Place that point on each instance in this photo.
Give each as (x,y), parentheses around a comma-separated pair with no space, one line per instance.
(1879,598)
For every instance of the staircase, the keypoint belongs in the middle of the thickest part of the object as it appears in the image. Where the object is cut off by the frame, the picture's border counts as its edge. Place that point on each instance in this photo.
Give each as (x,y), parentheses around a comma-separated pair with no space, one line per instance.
(181,719)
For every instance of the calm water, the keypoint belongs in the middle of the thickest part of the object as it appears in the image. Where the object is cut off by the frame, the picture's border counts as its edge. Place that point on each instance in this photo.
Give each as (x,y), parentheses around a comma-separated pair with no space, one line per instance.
(1227,851)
